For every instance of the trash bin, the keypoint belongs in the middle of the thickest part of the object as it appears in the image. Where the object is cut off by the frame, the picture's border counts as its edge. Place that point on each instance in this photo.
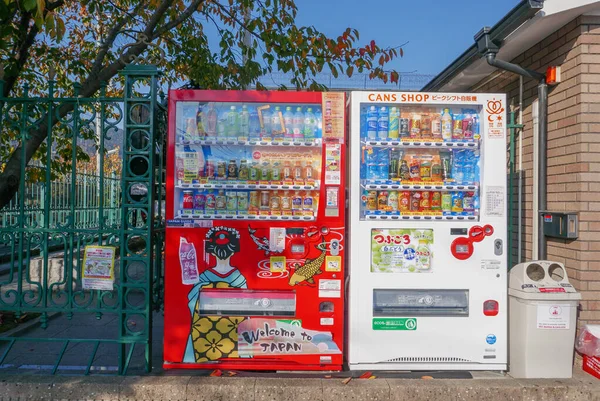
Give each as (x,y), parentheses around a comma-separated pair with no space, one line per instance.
(542,312)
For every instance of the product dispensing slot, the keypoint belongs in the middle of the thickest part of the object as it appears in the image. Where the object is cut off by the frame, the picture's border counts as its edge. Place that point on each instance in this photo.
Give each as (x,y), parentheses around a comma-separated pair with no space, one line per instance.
(392,302)
(241,302)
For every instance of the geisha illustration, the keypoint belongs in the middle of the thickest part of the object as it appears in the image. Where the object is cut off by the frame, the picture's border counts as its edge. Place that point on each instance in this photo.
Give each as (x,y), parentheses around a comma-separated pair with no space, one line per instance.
(214,337)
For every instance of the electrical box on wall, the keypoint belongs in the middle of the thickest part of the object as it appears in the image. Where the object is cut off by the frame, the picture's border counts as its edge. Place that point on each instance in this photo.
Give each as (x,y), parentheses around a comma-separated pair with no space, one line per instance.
(561,224)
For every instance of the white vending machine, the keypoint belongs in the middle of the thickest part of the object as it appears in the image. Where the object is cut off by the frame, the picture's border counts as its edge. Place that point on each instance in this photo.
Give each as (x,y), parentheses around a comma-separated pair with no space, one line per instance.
(427,252)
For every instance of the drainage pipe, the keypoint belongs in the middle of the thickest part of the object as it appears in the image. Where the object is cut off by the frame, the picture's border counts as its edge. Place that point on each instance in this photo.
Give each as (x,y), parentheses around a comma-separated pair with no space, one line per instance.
(520,195)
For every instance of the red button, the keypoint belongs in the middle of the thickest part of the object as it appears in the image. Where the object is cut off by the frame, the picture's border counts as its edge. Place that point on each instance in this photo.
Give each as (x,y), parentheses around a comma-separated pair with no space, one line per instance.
(462,248)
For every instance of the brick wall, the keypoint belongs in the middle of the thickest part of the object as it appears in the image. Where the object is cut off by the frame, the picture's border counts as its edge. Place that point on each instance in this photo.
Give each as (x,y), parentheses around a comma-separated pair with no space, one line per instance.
(573,147)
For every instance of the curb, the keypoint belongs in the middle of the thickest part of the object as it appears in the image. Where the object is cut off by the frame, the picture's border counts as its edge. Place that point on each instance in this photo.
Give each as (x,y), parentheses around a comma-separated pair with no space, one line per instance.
(286,389)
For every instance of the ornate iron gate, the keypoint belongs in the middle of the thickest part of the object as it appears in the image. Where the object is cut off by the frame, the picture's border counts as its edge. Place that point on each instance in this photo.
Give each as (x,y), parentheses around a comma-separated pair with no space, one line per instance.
(41,251)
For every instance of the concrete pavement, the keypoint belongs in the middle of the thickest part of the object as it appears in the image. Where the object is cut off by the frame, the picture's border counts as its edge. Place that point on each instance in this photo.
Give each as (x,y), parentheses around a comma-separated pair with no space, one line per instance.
(488,387)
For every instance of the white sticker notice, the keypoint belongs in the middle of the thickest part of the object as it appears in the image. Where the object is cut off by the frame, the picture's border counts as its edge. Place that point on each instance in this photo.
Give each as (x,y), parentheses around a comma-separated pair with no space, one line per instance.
(490,264)
(276,239)
(555,317)
(494,201)
(326,321)
(495,133)
(330,288)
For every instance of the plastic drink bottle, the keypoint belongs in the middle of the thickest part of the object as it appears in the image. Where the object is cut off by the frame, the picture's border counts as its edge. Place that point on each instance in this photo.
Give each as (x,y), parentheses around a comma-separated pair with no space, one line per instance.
(266,127)
(308,171)
(383,122)
(211,120)
(298,124)
(222,125)
(253,125)
(309,125)
(276,120)
(296,202)
(244,123)
(436,127)
(288,121)
(319,122)
(372,117)
(446,125)
(394,128)
(201,121)
(307,203)
(233,123)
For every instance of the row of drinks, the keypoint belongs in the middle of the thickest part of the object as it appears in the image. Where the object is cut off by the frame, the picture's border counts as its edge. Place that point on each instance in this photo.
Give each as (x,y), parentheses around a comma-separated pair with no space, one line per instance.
(446,203)
(383,123)
(276,171)
(275,203)
(296,124)
(393,165)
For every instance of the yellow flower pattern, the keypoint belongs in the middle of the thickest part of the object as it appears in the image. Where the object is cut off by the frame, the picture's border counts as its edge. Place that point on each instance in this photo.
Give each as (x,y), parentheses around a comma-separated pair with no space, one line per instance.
(215,337)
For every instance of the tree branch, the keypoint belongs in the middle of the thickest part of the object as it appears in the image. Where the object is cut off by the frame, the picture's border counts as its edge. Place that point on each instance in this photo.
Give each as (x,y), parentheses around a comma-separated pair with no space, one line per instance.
(187,13)
(26,40)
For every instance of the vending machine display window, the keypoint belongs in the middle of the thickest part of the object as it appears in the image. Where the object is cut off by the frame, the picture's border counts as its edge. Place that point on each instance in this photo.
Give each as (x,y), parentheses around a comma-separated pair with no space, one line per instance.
(420,162)
(247,161)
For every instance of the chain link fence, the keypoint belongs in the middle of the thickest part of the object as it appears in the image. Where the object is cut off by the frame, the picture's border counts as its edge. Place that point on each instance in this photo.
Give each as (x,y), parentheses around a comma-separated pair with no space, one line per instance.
(406,82)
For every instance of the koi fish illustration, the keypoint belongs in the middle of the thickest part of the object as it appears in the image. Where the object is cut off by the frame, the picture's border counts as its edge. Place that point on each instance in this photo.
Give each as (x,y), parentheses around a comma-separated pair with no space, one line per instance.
(311,268)
(261,242)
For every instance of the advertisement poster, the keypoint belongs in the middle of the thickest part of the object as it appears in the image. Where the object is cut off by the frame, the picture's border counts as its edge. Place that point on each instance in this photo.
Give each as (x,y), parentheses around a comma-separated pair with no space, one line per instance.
(333,117)
(278,337)
(401,250)
(98,268)
(332,164)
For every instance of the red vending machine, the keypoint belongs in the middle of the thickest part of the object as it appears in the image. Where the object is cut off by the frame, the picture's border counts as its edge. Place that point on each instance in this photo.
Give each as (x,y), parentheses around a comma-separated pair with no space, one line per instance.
(255,230)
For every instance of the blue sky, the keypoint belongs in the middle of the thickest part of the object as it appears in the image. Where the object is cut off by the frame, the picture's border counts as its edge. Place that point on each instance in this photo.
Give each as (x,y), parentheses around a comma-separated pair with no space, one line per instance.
(437,31)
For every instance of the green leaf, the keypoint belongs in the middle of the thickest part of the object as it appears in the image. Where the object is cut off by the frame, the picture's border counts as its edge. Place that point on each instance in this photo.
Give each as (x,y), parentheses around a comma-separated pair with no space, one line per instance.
(41,5)
(29,5)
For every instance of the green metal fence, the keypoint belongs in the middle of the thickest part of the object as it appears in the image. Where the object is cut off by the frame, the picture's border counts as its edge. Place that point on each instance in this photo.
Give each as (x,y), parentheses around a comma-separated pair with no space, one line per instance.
(50,221)
(85,193)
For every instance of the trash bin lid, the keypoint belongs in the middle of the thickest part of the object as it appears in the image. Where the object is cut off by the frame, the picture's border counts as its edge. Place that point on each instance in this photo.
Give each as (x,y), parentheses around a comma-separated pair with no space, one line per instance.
(537,295)
(541,277)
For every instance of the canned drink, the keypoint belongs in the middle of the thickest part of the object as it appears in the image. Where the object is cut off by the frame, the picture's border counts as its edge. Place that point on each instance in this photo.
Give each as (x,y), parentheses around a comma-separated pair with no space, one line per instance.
(426,126)
(264,199)
(383,171)
(404,128)
(210,169)
(179,168)
(253,173)
(211,203)
(382,201)
(415,127)
(242,202)
(188,200)
(415,201)
(372,200)
(446,202)
(232,201)
(457,129)
(467,128)
(199,201)
(254,202)
(221,170)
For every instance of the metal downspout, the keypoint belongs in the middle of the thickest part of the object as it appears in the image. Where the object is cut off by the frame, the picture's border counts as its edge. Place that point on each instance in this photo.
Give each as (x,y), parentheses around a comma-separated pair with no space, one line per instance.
(520,195)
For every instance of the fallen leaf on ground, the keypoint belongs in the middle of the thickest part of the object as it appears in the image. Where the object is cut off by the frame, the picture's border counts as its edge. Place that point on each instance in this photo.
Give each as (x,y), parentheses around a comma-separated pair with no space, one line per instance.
(346,380)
